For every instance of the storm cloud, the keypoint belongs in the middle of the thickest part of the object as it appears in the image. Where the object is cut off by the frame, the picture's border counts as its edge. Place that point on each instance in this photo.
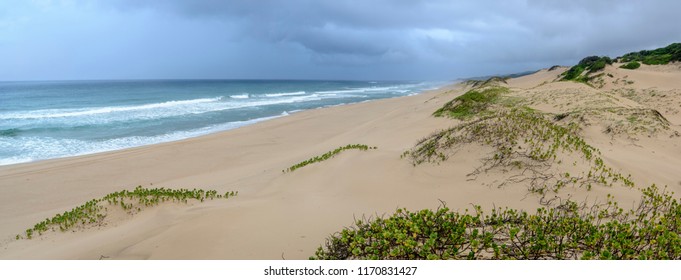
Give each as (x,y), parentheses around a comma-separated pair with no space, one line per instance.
(442,40)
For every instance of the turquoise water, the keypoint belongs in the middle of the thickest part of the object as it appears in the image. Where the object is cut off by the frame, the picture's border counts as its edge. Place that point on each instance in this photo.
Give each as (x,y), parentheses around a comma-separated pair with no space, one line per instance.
(44,120)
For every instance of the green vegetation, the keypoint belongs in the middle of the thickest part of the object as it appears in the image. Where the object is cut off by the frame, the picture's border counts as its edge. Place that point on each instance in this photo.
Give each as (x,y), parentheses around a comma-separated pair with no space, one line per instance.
(471,103)
(94,211)
(592,64)
(529,142)
(526,141)
(526,144)
(631,65)
(528,147)
(328,155)
(589,64)
(657,59)
(657,56)
(567,231)
(480,83)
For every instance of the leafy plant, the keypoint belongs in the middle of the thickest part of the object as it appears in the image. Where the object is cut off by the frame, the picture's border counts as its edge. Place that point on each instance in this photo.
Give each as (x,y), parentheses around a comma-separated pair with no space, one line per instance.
(328,155)
(94,211)
(652,230)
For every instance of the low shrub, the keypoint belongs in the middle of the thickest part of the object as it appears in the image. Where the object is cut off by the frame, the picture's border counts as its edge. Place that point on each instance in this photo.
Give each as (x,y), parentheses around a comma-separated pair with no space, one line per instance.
(657,56)
(631,65)
(567,231)
(590,64)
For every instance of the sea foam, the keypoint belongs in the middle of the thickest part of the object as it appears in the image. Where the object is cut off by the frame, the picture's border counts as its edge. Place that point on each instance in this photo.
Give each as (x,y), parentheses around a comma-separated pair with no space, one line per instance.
(32,148)
(43,120)
(285,94)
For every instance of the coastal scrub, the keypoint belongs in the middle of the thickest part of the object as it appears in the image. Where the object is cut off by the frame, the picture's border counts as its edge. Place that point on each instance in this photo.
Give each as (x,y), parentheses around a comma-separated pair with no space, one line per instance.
(586,66)
(567,231)
(631,65)
(658,56)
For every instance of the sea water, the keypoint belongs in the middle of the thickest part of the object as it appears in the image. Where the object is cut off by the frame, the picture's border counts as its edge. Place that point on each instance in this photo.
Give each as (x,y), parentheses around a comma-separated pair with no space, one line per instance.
(44,120)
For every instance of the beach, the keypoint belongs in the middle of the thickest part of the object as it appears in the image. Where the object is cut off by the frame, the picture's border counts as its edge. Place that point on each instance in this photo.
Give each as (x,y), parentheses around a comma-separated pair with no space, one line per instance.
(287,215)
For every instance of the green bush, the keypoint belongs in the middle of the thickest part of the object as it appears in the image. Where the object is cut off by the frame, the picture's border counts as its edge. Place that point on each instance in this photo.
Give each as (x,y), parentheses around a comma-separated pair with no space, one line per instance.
(657,56)
(589,60)
(590,64)
(566,231)
(597,66)
(657,59)
(572,73)
(631,65)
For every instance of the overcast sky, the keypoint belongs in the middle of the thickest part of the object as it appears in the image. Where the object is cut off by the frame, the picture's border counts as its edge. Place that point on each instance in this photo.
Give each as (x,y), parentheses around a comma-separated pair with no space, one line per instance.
(314,39)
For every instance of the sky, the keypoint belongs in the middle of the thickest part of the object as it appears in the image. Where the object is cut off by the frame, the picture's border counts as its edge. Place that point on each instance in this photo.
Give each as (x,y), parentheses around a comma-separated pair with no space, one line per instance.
(315,39)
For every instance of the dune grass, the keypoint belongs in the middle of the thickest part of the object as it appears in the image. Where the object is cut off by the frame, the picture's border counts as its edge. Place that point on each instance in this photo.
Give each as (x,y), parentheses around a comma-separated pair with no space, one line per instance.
(526,141)
(473,102)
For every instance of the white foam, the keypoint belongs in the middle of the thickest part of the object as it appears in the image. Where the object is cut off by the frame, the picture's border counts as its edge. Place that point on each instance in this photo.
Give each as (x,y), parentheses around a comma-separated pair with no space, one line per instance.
(23,148)
(280,94)
(108,115)
(40,148)
(361,90)
(63,113)
(14,160)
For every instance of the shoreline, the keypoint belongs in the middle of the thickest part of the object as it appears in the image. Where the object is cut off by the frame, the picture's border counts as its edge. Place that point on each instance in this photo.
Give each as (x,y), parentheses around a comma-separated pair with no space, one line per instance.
(237,126)
(248,159)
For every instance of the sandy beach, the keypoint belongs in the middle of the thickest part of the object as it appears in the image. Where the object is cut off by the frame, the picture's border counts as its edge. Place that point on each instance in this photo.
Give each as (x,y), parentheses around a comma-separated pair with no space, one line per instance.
(288,215)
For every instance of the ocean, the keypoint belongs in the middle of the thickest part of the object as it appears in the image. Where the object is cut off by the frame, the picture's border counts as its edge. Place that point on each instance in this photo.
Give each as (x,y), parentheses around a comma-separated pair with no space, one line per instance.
(54,119)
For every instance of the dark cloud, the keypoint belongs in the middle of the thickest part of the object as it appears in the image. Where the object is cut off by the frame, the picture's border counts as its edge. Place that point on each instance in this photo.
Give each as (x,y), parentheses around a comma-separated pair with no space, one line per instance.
(380,39)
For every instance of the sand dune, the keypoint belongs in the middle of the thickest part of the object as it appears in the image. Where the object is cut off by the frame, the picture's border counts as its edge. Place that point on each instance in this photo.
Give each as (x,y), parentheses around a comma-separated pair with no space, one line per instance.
(289,215)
